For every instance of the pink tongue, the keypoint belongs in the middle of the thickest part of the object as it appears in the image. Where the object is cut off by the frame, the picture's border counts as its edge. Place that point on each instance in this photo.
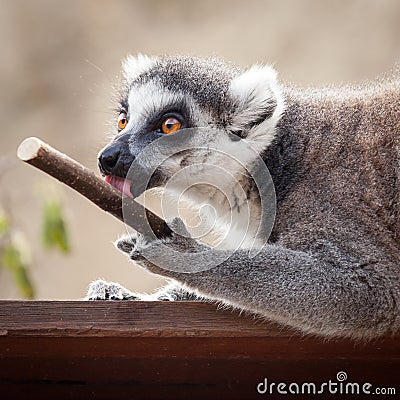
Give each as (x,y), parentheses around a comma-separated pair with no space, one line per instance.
(121,184)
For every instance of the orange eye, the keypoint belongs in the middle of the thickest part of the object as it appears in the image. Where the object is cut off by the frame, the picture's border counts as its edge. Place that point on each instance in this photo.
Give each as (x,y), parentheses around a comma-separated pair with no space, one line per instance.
(122,121)
(170,125)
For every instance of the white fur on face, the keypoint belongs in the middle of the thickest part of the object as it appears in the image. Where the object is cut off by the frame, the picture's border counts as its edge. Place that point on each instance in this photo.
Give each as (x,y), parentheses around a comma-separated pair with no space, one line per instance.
(146,100)
(151,98)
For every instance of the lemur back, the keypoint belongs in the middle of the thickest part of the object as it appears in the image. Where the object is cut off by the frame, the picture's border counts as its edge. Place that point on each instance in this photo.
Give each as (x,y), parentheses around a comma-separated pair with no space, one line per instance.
(337,153)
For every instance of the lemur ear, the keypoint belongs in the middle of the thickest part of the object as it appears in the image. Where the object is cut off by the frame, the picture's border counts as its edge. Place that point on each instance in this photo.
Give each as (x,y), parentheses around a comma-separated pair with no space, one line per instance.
(258,104)
(133,66)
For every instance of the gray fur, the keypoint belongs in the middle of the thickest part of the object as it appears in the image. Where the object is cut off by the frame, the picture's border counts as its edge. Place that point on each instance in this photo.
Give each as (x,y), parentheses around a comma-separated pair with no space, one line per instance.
(205,80)
(332,264)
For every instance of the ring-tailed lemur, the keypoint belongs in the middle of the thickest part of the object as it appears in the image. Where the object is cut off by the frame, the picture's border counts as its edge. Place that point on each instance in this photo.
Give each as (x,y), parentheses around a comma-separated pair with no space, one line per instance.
(332,262)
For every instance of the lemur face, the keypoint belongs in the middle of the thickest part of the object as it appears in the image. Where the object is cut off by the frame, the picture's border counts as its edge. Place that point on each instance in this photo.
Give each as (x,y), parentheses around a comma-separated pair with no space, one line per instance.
(200,104)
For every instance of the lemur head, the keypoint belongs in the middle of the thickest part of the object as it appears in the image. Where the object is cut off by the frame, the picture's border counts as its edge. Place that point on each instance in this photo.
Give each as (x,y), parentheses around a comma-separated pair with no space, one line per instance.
(164,96)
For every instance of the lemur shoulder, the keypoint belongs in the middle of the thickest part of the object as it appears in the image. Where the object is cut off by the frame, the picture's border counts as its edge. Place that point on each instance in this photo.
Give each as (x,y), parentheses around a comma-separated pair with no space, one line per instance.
(331,265)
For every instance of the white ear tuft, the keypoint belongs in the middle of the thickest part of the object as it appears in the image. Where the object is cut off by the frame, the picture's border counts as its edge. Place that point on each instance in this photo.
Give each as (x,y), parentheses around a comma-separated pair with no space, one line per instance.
(259,104)
(134,66)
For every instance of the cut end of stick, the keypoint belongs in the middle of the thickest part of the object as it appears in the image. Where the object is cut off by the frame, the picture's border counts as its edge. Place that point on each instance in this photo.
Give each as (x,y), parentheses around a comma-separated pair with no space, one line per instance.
(68,171)
(29,148)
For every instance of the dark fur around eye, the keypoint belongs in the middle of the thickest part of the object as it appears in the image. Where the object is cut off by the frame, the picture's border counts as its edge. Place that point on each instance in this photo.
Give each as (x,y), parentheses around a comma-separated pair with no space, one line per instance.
(179,111)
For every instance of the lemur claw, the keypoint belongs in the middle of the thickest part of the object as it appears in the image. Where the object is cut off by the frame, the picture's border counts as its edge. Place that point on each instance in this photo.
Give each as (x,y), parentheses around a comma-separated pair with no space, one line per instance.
(102,290)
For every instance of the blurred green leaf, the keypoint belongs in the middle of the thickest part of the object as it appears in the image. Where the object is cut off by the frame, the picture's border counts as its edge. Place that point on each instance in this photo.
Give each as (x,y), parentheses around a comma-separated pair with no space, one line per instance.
(4,225)
(11,257)
(13,260)
(54,233)
(23,281)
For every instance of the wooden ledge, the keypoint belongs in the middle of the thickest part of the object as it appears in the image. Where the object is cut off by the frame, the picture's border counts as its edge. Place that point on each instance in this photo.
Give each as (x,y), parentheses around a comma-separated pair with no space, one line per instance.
(149,350)
(127,319)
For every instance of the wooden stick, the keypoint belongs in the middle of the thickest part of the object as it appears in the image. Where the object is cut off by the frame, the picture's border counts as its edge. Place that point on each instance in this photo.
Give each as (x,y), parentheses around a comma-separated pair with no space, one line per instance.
(39,154)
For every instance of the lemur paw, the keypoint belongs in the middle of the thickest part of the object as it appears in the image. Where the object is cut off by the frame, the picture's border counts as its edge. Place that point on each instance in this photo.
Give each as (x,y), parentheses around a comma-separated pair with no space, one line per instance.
(126,243)
(151,254)
(135,243)
(103,290)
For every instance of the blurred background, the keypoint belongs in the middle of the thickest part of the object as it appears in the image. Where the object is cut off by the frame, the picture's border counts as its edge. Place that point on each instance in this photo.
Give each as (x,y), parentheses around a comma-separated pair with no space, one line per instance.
(59,61)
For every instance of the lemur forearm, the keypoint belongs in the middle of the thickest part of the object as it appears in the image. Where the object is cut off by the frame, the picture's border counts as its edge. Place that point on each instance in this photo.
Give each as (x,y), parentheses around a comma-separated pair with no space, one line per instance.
(296,288)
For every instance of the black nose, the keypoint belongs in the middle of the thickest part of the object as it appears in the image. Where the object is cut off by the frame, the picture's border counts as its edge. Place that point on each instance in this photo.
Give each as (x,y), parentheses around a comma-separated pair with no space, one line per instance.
(109,157)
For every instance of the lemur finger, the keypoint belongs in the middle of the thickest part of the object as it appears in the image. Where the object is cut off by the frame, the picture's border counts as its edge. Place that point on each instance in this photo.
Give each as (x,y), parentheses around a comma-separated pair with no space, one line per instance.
(126,243)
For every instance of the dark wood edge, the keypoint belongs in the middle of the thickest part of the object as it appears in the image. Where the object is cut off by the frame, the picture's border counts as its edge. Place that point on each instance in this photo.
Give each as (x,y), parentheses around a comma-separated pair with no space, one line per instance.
(129,318)
(165,329)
